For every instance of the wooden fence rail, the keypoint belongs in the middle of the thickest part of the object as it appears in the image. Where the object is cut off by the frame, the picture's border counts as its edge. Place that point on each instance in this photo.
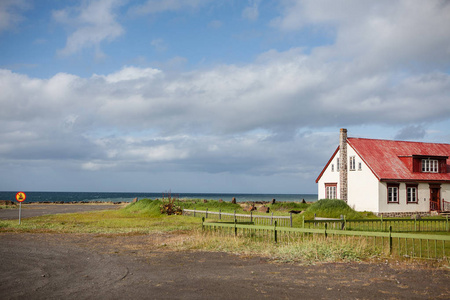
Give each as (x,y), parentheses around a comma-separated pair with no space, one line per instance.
(255,219)
(402,244)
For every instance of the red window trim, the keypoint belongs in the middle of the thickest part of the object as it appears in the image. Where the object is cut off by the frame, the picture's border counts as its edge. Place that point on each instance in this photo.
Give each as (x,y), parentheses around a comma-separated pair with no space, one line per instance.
(330,185)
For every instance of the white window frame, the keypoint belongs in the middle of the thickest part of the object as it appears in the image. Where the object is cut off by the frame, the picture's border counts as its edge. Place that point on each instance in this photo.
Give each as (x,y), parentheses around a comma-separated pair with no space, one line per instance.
(392,196)
(430,165)
(411,194)
(352,163)
(330,191)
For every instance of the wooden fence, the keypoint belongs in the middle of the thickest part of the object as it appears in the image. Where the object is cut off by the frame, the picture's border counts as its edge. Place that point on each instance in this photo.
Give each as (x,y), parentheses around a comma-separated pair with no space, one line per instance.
(397,225)
(253,218)
(402,244)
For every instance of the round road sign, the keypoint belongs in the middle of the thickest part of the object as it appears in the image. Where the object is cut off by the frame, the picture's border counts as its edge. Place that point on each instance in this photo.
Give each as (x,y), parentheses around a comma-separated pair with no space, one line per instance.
(20,196)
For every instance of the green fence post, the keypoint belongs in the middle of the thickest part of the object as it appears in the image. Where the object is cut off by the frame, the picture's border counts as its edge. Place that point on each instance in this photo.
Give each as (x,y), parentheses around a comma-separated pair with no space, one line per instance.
(303,222)
(194,212)
(446,226)
(220,214)
(326,225)
(382,228)
(206,214)
(290,218)
(390,239)
(275,230)
(251,216)
(415,222)
(235,227)
(203,225)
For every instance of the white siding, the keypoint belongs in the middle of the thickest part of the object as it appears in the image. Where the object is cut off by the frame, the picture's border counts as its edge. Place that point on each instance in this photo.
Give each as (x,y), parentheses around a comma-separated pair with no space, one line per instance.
(362,186)
(329,177)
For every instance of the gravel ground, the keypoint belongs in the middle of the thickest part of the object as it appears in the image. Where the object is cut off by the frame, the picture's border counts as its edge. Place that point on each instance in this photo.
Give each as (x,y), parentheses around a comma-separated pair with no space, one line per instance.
(88,266)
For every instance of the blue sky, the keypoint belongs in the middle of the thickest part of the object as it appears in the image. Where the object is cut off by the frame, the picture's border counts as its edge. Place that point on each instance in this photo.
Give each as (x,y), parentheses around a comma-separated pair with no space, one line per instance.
(211,96)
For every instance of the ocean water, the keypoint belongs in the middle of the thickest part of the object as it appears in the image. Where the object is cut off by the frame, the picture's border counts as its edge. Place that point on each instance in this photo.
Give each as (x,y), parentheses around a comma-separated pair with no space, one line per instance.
(128,197)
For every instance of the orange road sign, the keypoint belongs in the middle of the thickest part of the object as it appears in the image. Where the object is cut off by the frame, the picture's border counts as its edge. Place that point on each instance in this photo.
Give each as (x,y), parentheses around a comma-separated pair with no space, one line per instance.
(20,196)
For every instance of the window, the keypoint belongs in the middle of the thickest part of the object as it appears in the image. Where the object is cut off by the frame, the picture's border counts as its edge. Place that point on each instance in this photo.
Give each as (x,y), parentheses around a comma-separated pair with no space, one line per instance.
(430,165)
(332,167)
(359,166)
(337,164)
(352,166)
(392,193)
(411,193)
(330,190)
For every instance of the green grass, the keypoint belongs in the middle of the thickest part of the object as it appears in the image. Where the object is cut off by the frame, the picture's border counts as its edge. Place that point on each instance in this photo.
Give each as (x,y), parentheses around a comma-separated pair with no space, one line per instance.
(333,208)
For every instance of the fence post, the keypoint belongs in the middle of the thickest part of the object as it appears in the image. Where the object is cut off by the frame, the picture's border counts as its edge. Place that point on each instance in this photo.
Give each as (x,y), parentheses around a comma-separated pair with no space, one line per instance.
(275,231)
(194,212)
(203,225)
(206,214)
(446,225)
(345,223)
(382,228)
(235,226)
(271,219)
(326,225)
(303,222)
(390,239)
(251,216)
(220,214)
(415,222)
(290,218)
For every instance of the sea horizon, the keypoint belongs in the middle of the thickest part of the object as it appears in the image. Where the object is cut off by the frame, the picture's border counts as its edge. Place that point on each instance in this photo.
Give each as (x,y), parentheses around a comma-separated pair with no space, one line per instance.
(69,197)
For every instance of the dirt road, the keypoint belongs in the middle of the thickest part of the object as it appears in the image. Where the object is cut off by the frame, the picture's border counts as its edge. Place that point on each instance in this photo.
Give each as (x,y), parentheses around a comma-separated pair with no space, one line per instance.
(35,210)
(89,266)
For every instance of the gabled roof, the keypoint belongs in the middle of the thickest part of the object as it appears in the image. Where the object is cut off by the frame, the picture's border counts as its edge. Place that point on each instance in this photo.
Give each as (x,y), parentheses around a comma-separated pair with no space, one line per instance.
(385,158)
(388,160)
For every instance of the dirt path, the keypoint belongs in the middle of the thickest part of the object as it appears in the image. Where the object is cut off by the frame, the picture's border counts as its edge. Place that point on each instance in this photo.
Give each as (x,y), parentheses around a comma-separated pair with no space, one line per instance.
(35,210)
(87,266)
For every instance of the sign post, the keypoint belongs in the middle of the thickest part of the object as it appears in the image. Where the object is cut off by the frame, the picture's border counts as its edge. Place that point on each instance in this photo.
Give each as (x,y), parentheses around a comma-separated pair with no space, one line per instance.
(20,197)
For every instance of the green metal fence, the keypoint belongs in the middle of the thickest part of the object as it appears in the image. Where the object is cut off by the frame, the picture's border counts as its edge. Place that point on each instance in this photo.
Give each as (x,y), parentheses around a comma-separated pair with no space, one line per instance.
(383,224)
(402,244)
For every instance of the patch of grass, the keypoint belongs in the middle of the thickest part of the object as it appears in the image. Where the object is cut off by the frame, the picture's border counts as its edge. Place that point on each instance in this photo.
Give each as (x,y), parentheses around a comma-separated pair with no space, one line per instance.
(288,206)
(331,208)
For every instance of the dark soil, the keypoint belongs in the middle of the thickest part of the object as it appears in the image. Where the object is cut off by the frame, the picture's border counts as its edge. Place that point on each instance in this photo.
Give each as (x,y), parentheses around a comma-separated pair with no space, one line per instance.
(89,266)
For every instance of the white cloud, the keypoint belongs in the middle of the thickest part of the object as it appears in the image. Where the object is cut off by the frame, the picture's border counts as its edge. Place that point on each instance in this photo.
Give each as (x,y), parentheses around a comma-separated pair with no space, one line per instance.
(11,13)
(251,12)
(94,22)
(158,6)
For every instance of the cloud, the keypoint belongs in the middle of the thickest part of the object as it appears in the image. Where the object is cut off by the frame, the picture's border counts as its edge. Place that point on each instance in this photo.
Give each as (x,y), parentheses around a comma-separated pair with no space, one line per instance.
(159,45)
(158,6)
(94,23)
(11,13)
(251,12)
(412,132)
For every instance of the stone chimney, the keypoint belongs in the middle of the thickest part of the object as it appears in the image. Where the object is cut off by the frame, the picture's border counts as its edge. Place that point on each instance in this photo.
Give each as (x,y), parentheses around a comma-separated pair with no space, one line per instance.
(343,163)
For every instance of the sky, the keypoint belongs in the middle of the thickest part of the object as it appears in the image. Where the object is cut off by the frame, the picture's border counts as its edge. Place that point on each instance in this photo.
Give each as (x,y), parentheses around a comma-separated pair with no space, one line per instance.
(211,96)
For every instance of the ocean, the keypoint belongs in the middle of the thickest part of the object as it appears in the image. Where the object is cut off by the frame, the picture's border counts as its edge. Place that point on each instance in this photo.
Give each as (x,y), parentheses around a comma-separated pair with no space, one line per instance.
(67,197)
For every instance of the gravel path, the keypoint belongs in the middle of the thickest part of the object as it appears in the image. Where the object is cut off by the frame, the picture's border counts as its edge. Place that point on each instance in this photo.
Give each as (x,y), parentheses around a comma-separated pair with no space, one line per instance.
(89,266)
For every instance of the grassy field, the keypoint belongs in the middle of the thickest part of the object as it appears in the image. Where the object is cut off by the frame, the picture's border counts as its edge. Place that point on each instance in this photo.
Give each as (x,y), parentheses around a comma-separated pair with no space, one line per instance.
(144,217)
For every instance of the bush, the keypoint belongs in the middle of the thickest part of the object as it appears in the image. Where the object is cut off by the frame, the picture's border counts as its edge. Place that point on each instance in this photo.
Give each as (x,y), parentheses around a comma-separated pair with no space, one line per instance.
(288,206)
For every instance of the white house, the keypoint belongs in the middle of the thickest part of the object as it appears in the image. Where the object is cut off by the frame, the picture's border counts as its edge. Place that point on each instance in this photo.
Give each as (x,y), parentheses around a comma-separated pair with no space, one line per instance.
(390,178)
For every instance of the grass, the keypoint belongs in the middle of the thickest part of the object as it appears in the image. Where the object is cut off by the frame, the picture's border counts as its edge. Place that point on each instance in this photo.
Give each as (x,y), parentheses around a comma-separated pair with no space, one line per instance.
(144,217)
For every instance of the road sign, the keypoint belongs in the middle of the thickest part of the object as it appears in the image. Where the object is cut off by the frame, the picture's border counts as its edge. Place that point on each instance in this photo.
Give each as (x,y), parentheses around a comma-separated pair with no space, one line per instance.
(20,196)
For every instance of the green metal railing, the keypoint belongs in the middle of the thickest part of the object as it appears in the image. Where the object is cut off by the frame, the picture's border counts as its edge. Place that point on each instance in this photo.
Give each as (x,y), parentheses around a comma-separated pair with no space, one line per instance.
(402,244)
(383,224)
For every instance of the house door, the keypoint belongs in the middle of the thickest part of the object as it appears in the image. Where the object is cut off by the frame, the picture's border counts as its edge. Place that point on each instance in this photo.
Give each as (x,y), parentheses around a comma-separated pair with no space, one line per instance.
(435,198)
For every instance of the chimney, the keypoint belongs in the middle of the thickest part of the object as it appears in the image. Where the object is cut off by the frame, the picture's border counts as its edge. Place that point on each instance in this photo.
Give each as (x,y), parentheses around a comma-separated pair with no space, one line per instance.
(343,164)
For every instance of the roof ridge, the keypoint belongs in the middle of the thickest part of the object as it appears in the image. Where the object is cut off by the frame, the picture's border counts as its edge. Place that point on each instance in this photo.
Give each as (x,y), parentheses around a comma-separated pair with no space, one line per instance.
(396,141)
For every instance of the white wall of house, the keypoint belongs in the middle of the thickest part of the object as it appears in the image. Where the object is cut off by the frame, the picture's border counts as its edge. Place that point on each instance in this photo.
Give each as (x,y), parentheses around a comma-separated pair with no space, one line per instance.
(423,203)
(331,175)
(362,185)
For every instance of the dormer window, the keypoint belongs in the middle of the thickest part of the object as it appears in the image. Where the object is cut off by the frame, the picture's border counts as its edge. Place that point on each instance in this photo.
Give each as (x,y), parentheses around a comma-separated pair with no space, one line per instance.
(430,166)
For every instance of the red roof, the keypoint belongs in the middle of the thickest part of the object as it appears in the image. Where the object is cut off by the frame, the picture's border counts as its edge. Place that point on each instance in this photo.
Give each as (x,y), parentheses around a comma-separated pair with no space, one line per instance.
(392,160)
